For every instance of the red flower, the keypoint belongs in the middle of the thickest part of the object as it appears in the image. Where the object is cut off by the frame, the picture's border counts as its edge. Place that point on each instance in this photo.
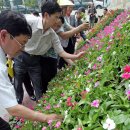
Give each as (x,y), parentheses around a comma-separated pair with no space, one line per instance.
(127,69)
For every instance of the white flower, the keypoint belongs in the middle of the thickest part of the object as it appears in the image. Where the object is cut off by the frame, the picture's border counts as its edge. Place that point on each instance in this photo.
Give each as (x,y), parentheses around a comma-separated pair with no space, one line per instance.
(60,101)
(114,52)
(66,115)
(90,66)
(79,76)
(88,89)
(129,86)
(109,124)
(66,112)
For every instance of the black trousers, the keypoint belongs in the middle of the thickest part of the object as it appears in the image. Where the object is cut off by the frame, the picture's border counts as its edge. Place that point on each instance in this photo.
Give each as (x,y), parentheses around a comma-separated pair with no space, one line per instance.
(49,70)
(4,125)
(28,86)
(23,64)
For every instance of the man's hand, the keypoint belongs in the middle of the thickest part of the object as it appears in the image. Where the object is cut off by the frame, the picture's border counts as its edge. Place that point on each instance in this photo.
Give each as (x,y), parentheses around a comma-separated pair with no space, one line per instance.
(54,117)
(80,54)
(84,26)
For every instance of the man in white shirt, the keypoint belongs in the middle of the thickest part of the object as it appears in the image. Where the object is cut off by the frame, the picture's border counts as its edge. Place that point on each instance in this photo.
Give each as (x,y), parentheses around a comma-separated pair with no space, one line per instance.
(14,33)
(43,38)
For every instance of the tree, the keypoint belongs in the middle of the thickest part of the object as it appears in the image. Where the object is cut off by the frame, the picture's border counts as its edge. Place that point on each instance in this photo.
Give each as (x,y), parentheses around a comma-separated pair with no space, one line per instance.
(31,3)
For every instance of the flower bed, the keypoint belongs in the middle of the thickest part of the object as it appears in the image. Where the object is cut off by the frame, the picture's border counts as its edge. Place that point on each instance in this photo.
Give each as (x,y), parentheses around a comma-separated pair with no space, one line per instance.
(105,21)
(94,94)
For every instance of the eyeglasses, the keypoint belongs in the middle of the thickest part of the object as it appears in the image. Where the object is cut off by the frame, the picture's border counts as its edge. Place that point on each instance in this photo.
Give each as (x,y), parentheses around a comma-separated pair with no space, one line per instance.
(20,44)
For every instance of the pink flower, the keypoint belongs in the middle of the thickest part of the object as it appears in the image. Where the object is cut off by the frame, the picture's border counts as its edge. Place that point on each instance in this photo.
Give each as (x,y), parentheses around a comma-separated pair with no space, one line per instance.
(96,84)
(108,48)
(79,128)
(95,103)
(44,101)
(57,106)
(69,99)
(22,120)
(48,107)
(99,58)
(17,126)
(94,67)
(88,72)
(127,69)
(125,75)
(44,128)
(62,95)
(49,122)
(58,124)
(128,94)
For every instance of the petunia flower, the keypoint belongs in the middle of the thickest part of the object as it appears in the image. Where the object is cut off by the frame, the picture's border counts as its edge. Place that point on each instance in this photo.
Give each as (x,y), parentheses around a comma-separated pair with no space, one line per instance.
(95,103)
(48,107)
(128,94)
(97,84)
(99,58)
(127,69)
(44,128)
(109,124)
(94,67)
(125,75)
(58,124)
(49,122)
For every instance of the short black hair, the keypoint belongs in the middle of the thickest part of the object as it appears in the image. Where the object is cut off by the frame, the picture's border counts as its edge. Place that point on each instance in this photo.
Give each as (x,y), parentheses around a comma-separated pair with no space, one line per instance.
(50,7)
(105,9)
(62,19)
(15,23)
(81,9)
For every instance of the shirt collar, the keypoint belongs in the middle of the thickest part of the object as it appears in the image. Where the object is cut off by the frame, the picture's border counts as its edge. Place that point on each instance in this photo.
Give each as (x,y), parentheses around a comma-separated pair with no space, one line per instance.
(40,26)
(2,56)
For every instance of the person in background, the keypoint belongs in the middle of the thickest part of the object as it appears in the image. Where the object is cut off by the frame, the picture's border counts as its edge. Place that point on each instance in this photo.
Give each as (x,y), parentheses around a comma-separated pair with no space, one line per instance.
(67,31)
(92,14)
(79,15)
(105,11)
(14,33)
(35,13)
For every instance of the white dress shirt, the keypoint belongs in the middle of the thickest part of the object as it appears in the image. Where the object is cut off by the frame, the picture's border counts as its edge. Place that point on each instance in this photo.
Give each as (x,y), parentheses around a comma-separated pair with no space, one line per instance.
(41,41)
(7,93)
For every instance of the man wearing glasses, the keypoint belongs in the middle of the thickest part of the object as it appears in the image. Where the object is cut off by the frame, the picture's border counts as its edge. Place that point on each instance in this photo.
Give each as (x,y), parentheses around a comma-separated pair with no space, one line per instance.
(14,33)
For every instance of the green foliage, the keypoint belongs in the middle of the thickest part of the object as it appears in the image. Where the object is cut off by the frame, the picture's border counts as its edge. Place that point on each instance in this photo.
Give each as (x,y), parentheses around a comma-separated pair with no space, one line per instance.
(110,91)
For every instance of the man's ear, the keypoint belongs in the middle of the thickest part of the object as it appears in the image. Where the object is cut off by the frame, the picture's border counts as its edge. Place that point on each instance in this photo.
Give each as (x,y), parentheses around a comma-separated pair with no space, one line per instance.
(3,34)
(46,15)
